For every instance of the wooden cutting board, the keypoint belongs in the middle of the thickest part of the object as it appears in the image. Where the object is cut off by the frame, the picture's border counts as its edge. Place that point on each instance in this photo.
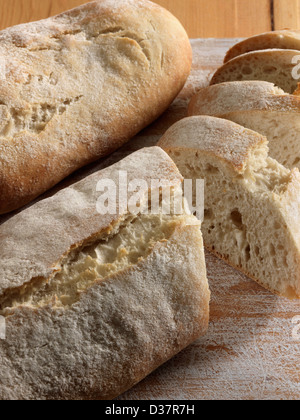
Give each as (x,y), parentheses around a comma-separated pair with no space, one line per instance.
(252,348)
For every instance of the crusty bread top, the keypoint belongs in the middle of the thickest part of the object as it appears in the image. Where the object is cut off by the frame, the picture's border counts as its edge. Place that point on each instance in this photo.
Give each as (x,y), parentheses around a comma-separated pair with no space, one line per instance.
(275,66)
(230,97)
(69,219)
(285,39)
(79,85)
(222,138)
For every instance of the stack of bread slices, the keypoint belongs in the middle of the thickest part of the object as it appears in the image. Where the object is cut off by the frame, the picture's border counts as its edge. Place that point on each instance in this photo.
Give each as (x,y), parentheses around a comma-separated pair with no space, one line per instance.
(242,135)
(273,57)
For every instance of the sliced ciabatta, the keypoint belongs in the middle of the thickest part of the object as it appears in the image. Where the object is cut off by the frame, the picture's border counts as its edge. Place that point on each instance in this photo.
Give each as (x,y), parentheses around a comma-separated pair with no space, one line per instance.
(285,39)
(252,203)
(275,66)
(259,106)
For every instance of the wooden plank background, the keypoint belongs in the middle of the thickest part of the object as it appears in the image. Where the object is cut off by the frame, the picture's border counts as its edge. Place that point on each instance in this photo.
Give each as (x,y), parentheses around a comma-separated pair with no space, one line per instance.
(202,18)
(287,13)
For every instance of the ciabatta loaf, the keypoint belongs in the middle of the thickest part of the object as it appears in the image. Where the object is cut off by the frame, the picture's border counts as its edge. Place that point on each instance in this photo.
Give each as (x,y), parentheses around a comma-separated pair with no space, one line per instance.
(252,203)
(77,86)
(285,39)
(93,303)
(274,66)
(259,106)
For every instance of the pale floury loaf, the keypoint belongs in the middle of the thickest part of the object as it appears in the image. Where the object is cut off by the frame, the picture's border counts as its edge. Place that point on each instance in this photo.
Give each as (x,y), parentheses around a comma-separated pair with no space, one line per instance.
(252,203)
(259,106)
(93,303)
(79,85)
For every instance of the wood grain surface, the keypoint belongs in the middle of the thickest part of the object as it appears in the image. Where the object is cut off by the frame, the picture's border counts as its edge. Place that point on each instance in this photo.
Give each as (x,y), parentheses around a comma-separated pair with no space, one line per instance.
(201,18)
(252,348)
(287,14)
(221,18)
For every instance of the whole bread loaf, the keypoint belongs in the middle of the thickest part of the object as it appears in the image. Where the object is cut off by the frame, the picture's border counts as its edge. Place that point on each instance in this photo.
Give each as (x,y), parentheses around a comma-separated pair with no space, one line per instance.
(93,303)
(77,86)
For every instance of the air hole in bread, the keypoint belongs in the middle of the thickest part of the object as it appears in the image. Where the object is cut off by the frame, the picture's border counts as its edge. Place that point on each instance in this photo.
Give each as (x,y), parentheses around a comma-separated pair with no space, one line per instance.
(237,219)
(277,226)
(247,70)
(212,169)
(272,250)
(248,253)
(269,69)
(296,162)
(208,214)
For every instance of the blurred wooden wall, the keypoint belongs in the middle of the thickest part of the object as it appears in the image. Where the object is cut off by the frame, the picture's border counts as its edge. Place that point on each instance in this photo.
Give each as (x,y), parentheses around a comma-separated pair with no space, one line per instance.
(201,18)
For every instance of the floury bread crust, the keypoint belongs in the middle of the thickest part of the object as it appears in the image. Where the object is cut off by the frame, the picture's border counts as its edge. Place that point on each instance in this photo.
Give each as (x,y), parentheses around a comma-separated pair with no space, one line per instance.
(252,203)
(285,39)
(259,106)
(274,66)
(79,85)
(95,303)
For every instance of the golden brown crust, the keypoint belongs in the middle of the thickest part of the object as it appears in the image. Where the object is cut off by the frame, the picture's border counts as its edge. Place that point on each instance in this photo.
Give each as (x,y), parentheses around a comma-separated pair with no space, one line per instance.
(273,65)
(229,97)
(259,106)
(214,136)
(92,78)
(285,39)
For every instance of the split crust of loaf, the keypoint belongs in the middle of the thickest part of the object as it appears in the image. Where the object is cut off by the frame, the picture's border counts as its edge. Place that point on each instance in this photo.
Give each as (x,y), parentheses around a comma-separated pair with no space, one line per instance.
(285,39)
(95,303)
(252,203)
(259,106)
(274,66)
(79,85)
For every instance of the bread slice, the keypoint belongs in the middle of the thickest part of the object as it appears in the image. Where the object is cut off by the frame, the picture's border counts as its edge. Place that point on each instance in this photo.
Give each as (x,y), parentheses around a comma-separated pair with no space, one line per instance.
(284,39)
(79,85)
(94,303)
(275,66)
(252,203)
(259,106)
